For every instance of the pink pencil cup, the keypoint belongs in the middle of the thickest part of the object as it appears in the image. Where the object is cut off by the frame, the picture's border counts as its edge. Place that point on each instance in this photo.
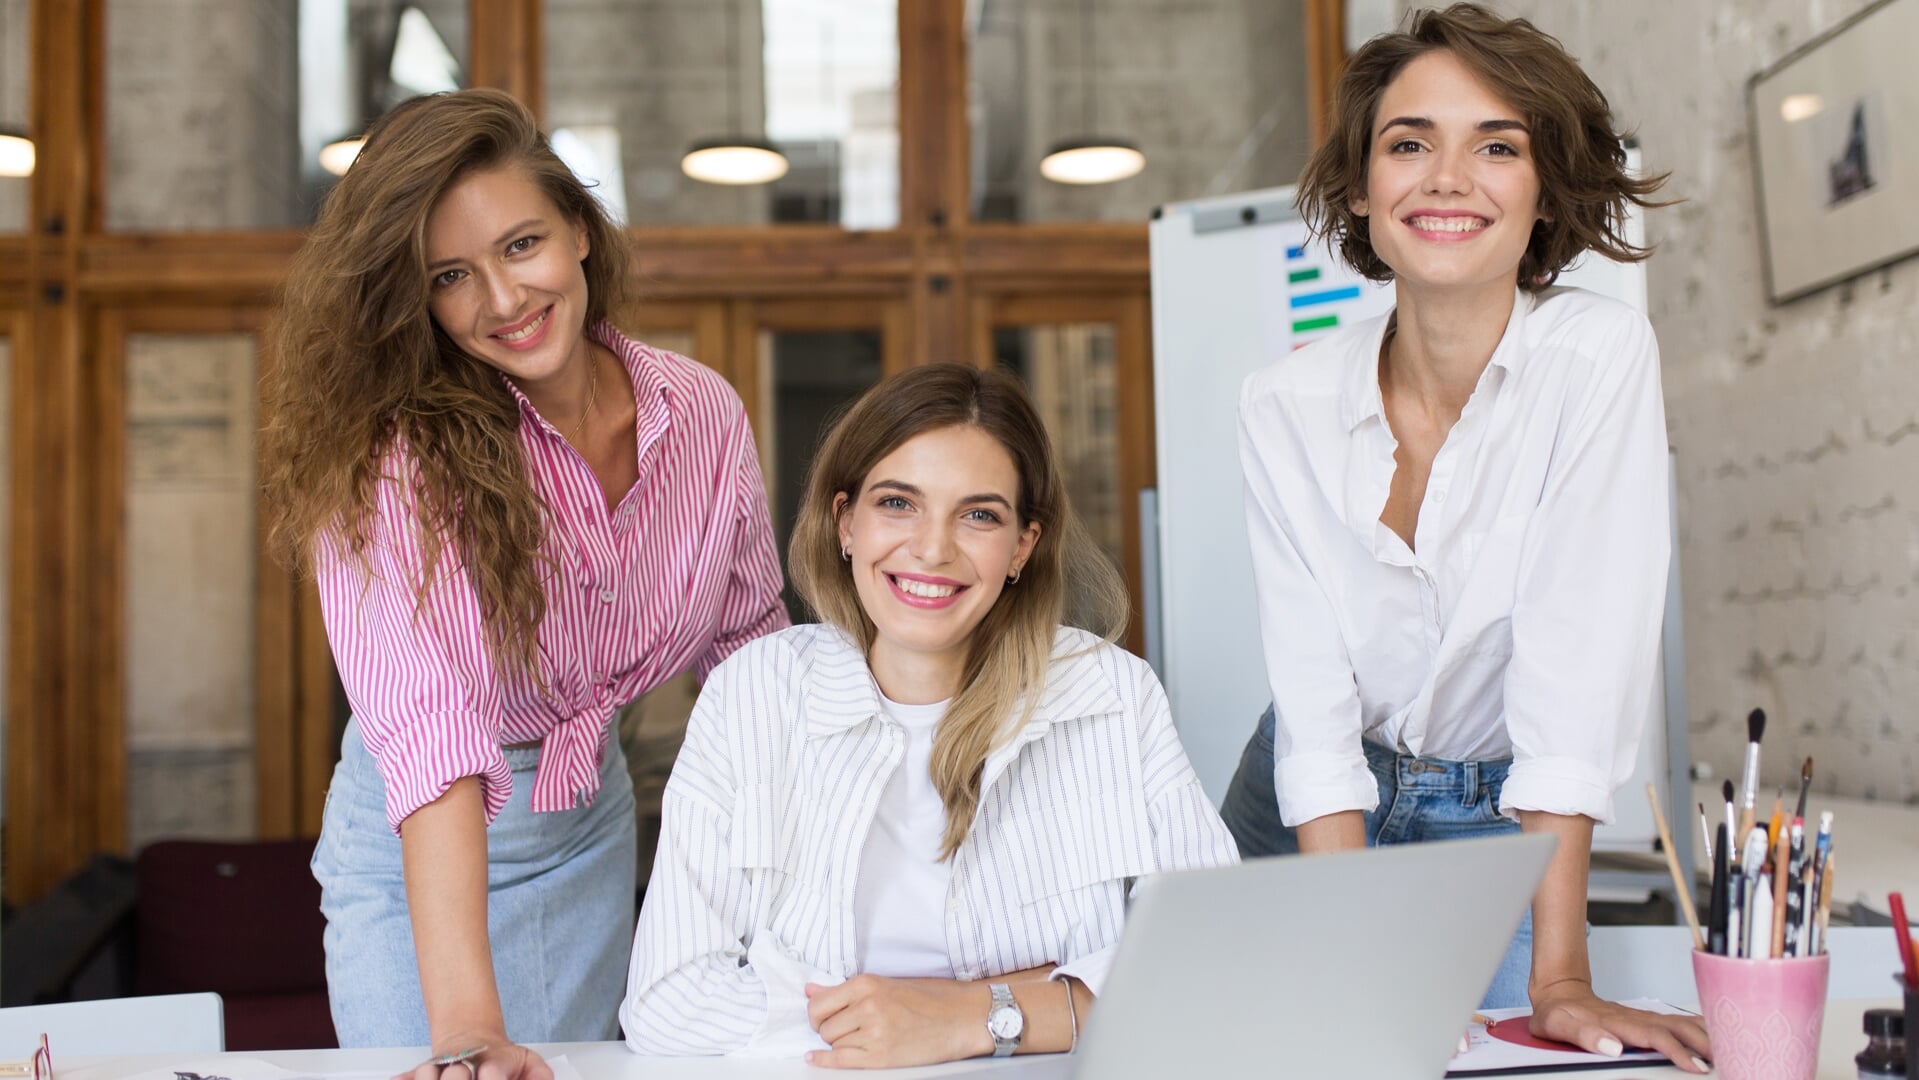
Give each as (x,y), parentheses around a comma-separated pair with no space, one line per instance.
(1763,1016)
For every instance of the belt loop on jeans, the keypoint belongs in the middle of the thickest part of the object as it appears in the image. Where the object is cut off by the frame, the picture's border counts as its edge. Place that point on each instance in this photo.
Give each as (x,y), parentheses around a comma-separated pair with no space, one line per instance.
(1470,777)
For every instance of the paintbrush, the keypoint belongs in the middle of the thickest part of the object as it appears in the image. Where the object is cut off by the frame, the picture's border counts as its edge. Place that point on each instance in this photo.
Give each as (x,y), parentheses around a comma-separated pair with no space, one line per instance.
(1805,785)
(1732,834)
(1681,887)
(1705,831)
(1777,821)
(1755,730)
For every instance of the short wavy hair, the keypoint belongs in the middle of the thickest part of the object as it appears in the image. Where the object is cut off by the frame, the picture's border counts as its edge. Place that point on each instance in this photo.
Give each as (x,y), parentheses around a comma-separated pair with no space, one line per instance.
(1585,191)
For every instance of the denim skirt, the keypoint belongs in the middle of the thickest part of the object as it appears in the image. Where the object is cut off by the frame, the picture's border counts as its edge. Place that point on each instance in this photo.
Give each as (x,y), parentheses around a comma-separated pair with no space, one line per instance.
(1420,799)
(560,892)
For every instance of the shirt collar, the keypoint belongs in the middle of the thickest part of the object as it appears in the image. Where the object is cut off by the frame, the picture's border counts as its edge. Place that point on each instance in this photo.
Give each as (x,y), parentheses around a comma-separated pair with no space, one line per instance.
(652,395)
(1077,685)
(1359,397)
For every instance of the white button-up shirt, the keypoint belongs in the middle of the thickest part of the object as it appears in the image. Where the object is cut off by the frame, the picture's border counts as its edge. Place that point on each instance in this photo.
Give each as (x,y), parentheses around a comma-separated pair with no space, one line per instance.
(1524,621)
(766,816)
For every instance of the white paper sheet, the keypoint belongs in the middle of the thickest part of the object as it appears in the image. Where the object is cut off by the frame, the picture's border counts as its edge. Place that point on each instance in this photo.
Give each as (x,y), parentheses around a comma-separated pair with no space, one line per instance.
(1486,1055)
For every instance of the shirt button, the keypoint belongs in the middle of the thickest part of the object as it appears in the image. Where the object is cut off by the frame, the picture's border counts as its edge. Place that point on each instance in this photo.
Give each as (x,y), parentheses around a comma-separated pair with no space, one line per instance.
(606,596)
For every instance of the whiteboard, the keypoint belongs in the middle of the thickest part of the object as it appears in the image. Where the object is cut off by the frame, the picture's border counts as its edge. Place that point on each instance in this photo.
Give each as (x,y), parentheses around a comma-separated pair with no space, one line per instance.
(1236,285)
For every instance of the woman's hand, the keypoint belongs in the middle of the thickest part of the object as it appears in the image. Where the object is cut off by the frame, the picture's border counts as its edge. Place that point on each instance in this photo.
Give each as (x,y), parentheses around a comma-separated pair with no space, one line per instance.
(874,1022)
(1570,1012)
(501,1060)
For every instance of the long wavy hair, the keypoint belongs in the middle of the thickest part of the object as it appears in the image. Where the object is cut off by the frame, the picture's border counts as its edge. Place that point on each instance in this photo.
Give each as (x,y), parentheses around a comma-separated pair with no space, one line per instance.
(1012,647)
(359,368)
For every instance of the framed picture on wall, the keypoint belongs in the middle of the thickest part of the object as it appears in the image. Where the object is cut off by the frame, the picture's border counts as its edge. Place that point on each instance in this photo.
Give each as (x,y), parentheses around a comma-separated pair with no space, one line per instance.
(1835,139)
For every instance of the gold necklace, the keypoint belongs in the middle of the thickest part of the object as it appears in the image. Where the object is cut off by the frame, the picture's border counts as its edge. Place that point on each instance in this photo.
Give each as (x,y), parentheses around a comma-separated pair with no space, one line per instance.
(592,385)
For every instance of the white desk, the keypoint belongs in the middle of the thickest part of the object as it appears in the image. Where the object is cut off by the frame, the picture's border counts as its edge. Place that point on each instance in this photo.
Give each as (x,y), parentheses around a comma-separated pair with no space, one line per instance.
(611,1061)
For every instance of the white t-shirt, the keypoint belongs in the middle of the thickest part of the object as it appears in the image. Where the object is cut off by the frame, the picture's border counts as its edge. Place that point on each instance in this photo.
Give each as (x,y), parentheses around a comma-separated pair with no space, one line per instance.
(900,901)
(1524,621)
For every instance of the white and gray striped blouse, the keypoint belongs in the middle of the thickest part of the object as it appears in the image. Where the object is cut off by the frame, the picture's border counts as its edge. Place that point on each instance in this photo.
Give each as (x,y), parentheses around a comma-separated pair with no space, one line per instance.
(769,806)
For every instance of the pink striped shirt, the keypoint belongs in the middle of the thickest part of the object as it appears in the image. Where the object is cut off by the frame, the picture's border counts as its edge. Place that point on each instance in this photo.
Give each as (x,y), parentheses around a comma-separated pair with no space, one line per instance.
(679,574)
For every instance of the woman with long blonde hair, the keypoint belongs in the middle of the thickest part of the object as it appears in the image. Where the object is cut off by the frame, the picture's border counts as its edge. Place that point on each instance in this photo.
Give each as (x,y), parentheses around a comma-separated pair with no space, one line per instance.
(519,520)
(905,835)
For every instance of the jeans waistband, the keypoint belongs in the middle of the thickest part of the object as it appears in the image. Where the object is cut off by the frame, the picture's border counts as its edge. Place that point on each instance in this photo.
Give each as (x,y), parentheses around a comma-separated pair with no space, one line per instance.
(1434,774)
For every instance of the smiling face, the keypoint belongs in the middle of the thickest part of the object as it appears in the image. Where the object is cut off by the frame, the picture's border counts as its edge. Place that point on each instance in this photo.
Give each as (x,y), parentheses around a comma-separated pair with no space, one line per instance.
(1451,191)
(505,279)
(932,535)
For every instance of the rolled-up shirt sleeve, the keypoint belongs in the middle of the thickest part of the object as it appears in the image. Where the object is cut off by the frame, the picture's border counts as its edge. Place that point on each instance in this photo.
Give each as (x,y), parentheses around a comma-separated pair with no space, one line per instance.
(416,666)
(1591,588)
(1319,767)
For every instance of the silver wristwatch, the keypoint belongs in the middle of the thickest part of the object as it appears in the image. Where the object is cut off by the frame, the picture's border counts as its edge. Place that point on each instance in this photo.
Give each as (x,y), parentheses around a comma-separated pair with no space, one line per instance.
(1004,1020)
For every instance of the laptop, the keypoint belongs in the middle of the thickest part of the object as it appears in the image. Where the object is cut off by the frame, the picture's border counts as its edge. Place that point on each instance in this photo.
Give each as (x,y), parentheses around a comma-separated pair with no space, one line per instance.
(1365,963)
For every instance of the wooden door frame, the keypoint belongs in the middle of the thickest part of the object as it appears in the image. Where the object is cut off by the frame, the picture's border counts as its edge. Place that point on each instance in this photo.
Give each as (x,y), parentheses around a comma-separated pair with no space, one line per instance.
(1129,314)
(63,278)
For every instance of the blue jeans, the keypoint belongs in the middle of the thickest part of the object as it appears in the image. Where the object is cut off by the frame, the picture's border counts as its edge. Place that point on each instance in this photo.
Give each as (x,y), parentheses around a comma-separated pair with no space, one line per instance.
(1420,799)
(559,908)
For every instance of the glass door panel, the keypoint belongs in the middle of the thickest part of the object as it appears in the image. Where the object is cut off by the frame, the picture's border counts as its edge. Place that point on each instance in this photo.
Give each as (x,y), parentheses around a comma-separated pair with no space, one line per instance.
(191,585)
(1084,362)
(631,85)
(14,61)
(1212,93)
(217,110)
(806,376)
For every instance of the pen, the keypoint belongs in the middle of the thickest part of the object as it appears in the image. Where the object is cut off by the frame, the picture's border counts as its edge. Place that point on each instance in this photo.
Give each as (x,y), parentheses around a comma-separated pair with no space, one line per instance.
(1718,919)
(1795,885)
(1757,905)
(1759,946)
(1825,906)
(1904,929)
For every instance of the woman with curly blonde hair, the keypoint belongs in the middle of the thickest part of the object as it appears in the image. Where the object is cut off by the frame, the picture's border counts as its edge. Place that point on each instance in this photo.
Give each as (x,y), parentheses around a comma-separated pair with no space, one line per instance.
(519,520)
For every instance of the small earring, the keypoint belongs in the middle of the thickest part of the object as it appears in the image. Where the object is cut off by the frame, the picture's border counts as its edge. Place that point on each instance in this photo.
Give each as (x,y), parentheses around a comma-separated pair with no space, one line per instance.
(846,554)
(1014,580)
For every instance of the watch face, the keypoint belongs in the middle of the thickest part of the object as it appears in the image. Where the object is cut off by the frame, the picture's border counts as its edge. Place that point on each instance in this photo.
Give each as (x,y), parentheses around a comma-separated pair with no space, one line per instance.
(1005,1022)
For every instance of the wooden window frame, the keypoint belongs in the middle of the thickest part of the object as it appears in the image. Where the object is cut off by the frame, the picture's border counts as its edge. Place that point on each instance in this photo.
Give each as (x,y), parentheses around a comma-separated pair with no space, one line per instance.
(67,286)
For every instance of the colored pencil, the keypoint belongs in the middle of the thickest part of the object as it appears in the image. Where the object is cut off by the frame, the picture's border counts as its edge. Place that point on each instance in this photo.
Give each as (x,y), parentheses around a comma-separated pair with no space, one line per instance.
(1780,875)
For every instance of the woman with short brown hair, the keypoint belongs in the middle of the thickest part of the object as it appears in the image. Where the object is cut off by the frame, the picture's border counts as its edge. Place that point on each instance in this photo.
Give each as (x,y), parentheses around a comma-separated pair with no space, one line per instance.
(1459,511)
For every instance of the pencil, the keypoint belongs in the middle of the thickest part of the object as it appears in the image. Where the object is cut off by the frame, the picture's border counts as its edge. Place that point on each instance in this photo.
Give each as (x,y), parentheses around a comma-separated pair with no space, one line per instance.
(1680,885)
(1781,874)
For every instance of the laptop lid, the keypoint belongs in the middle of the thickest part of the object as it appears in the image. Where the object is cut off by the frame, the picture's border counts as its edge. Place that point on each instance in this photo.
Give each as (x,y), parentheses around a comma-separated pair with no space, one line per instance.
(1364,963)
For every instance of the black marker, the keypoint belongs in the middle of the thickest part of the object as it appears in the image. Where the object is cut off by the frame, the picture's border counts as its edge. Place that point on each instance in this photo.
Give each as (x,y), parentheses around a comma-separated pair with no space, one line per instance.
(1717,920)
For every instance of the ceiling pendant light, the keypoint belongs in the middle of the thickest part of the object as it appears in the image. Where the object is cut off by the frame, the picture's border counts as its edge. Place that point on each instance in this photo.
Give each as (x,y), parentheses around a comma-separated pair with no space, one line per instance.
(1086,158)
(16,152)
(736,160)
(337,156)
